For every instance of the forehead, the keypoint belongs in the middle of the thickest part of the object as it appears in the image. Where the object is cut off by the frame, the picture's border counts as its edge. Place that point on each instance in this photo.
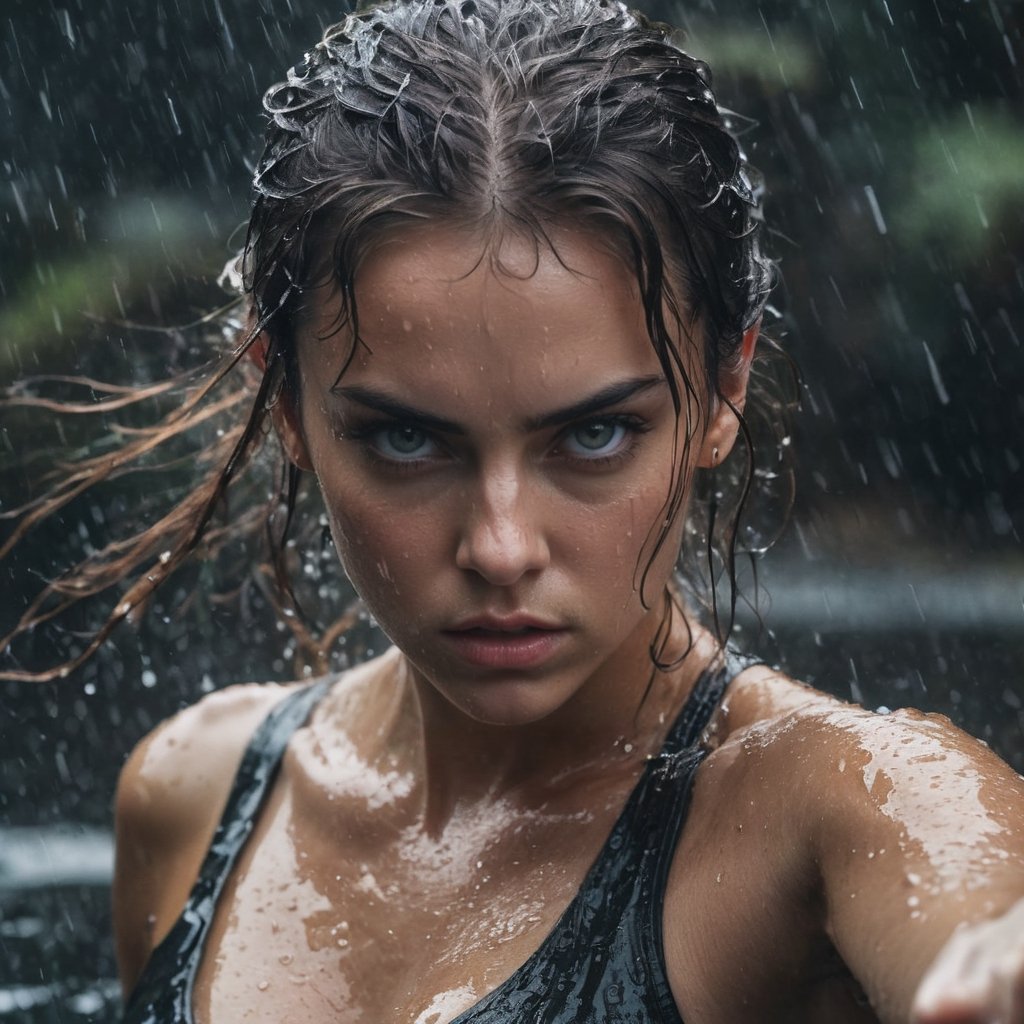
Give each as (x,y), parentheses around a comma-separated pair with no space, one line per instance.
(443,312)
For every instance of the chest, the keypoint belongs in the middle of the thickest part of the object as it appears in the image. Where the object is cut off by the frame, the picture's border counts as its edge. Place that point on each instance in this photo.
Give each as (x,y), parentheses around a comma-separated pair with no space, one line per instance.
(330,925)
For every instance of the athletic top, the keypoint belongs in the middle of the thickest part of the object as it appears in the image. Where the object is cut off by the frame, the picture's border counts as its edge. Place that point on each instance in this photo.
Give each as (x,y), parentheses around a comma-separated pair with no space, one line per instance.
(603,962)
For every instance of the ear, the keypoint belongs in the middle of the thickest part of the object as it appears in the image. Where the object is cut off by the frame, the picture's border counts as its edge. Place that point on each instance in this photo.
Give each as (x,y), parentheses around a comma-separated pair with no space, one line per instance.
(284,412)
(732,395)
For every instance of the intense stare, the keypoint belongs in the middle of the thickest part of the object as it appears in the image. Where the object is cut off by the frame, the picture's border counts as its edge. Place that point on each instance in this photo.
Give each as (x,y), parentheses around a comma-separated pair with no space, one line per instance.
(503,435)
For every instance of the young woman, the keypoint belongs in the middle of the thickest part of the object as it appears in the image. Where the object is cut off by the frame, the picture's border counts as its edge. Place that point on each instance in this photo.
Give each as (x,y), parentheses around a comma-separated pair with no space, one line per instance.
(504,289)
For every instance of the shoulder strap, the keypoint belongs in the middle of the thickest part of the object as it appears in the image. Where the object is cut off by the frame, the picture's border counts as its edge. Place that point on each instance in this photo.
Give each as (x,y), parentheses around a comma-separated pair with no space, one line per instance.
(603,961)
(163,994)
(666,804)
(704,698)
(653,817)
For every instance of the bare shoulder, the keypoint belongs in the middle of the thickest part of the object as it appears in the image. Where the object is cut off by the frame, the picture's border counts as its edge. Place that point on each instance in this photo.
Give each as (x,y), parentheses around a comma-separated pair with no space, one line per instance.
(830,751)
(181,772)
(170,795)
(886,797)
(874,834)
(767,712)
(765,707)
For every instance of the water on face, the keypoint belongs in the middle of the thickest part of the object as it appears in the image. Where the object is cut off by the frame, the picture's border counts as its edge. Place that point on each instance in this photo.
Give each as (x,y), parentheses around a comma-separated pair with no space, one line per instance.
(890,149)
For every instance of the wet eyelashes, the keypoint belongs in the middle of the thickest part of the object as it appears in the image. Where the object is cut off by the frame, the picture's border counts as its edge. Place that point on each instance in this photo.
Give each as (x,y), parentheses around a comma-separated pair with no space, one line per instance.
(399,443)
(592,443)
(595,439)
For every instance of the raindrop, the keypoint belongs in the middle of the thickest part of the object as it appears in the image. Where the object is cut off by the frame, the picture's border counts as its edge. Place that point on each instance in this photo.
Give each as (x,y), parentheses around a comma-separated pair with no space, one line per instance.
(876,210)
(174,115)
(933,369)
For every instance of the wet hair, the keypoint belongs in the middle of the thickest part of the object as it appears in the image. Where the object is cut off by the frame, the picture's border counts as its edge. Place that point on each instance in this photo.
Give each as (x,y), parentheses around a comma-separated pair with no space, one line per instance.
(500,116)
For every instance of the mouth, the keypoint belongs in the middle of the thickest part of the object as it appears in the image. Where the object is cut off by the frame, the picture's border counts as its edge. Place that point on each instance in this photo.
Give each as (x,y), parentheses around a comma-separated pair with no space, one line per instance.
(513,642)
(519,622)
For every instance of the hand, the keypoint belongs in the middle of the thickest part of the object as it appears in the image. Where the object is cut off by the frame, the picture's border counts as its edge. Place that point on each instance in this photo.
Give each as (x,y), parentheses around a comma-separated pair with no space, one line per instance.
(978,976)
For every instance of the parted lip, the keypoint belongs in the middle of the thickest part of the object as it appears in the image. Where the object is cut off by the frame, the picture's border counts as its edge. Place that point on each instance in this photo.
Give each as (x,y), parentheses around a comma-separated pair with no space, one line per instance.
(503,623)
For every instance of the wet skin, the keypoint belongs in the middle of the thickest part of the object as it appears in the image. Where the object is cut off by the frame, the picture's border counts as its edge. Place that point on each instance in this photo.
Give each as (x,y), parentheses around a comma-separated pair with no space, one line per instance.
(443,804)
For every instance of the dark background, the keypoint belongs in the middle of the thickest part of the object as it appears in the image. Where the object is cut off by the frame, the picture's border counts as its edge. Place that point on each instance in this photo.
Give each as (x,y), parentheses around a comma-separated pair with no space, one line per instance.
(890,136)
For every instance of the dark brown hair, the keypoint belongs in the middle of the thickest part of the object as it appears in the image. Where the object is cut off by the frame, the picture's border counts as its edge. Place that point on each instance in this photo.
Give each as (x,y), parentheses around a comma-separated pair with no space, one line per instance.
(503,115)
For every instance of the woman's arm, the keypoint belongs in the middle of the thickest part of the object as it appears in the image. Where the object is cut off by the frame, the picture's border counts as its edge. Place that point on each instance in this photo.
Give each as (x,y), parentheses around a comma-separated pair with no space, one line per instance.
(170,796)
(919,832)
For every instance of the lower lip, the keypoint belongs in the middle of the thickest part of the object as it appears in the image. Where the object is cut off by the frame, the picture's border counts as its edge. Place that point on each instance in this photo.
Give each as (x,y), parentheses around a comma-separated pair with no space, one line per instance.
(506,650)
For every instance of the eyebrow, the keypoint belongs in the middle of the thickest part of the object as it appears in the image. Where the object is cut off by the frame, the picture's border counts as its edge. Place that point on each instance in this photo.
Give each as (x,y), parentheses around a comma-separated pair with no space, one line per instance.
(610,395)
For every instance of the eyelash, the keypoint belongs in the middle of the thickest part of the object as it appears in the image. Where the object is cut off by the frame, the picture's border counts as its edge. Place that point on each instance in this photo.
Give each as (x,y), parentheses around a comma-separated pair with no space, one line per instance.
(633,425)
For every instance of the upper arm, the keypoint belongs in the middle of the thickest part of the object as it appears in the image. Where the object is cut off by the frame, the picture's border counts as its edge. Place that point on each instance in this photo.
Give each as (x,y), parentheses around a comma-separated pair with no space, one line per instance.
(170,796)
(917,827)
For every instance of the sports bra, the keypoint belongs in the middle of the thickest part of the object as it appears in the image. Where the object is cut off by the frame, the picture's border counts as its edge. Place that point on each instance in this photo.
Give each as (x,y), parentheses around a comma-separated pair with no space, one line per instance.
(603,962)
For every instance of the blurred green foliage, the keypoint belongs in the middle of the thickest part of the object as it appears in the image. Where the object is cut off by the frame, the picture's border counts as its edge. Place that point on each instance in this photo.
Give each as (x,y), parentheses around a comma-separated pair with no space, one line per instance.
(969,175)
(782,60)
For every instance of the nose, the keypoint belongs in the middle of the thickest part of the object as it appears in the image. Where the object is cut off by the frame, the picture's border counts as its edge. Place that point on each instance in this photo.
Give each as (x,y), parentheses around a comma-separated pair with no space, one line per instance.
(502,538)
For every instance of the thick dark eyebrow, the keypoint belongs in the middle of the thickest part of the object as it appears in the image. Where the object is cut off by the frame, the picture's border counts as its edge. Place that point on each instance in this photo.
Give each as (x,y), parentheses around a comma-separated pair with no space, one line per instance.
(382,403)
(613,394)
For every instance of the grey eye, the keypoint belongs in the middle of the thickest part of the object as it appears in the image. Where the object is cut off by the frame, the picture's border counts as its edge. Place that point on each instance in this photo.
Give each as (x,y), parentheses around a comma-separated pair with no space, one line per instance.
(406,439)
(403,443)
(597,438)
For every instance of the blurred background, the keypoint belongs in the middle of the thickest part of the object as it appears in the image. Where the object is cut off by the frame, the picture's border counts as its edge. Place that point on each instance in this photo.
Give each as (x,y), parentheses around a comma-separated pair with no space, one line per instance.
(890,136)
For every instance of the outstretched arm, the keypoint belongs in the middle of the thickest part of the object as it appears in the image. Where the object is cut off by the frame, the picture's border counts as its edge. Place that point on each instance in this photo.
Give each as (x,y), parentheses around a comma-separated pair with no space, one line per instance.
(920,838)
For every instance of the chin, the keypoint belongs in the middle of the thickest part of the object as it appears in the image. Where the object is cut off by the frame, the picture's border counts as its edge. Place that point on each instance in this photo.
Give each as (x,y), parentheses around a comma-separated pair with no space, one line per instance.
(506,703)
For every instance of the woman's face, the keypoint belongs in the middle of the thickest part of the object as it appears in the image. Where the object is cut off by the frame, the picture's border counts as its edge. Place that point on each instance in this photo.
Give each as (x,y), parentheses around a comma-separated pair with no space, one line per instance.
(493,462)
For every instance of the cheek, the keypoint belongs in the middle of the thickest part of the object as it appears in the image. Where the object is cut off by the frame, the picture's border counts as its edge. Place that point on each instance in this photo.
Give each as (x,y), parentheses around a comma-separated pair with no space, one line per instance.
(651,548)
(614,547)
(389,552)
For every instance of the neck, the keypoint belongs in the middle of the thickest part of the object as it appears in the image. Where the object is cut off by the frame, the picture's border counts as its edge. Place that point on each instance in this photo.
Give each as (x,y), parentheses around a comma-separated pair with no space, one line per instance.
(610,725)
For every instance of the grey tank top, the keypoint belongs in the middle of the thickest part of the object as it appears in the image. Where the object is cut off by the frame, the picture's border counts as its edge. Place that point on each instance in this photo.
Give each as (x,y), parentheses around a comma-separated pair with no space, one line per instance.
(602,963)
